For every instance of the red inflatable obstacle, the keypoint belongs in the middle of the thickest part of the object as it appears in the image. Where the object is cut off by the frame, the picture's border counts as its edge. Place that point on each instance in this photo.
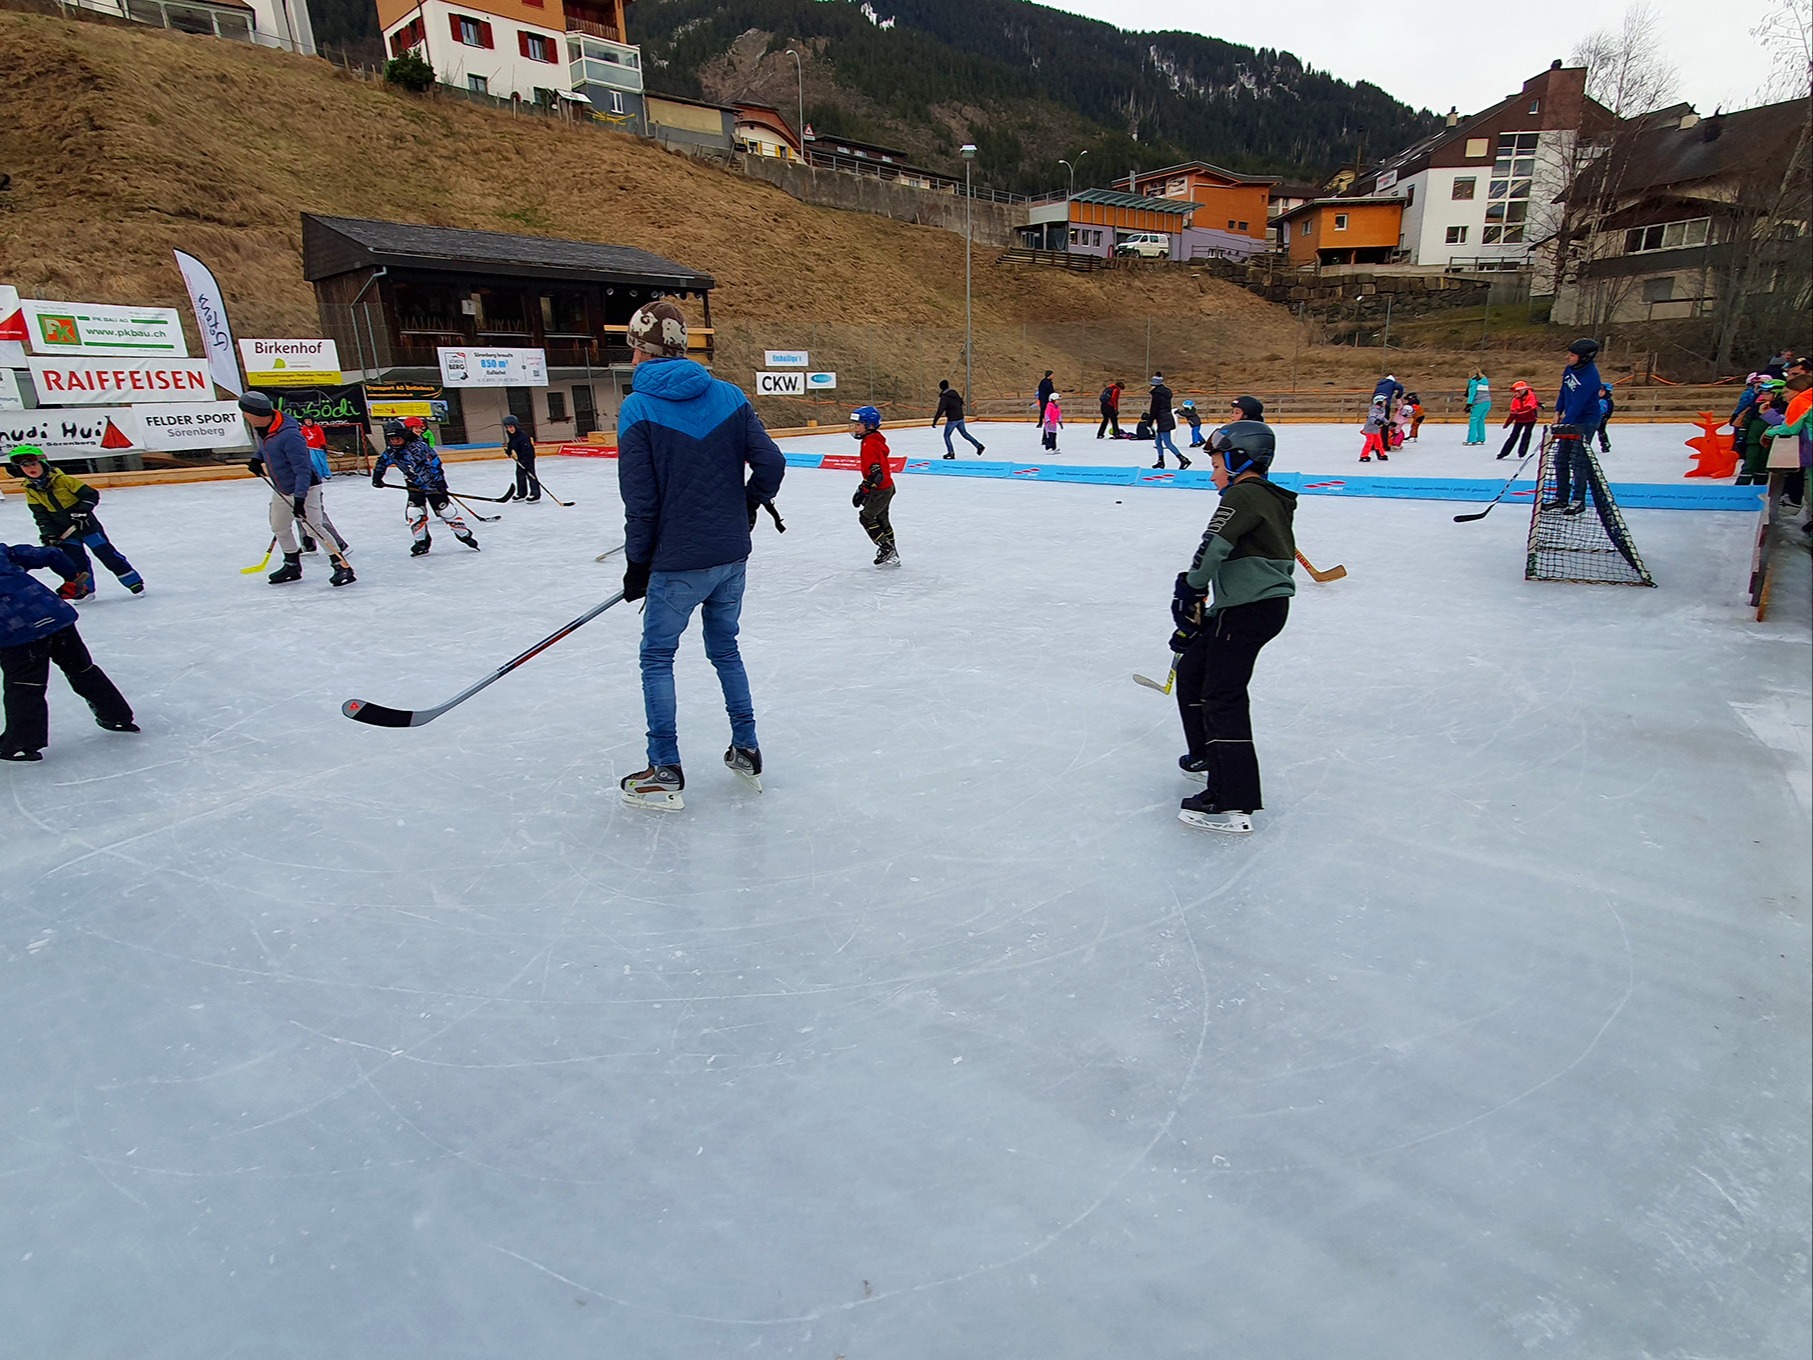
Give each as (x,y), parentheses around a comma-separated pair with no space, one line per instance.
(1715,454)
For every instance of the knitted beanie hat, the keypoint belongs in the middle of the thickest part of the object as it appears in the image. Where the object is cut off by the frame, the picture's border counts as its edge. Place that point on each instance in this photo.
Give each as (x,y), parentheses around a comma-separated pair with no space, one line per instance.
(659,328)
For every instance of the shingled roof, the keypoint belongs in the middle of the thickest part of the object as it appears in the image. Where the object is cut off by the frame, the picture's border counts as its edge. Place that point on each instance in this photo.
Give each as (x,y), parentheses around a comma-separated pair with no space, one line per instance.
(339,245)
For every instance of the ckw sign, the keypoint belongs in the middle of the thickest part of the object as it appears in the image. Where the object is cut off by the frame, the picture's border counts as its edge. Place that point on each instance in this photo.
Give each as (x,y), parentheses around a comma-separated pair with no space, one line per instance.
(768,384)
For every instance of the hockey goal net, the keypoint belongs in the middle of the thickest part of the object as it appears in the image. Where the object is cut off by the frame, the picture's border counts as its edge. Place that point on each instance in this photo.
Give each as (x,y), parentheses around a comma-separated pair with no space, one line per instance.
(1576,530)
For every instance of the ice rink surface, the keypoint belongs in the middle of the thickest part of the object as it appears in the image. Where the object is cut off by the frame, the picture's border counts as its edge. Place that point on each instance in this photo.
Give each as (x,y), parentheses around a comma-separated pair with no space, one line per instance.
(332,1041)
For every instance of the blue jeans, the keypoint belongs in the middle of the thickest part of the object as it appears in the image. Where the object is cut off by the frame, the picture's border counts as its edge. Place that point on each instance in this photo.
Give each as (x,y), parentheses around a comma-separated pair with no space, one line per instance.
(962,429)
(1162,441)
(717,592)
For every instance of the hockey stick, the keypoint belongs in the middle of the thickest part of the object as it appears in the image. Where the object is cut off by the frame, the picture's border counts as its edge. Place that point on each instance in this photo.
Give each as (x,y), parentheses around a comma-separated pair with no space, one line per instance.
(257,567)
(377,715)
(481,518)
(456,495)
(541,487)
(608,553)
(1506,489)
(1334,573)
(1170,680)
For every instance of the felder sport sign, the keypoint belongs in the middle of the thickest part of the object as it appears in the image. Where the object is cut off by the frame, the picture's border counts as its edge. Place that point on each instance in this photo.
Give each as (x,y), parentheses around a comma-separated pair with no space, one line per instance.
(107,382)
(90,328)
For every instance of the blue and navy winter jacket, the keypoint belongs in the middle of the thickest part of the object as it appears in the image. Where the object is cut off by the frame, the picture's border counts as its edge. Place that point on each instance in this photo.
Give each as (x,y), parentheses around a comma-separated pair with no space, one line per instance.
(286,457)
(420,464)
(683,439)
(1578,403)
(29,609)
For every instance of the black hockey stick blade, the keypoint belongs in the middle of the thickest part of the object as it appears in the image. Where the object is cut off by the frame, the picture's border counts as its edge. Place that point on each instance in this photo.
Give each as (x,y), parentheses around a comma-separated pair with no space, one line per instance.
(1541,445)
(378,715)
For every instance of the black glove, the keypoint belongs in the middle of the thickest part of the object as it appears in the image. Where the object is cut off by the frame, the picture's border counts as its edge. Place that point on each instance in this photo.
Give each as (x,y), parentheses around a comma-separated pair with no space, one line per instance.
(635,580)
(298,506)
(859,498)
(255,465)
(1186,604)
(754,508)
(377,477)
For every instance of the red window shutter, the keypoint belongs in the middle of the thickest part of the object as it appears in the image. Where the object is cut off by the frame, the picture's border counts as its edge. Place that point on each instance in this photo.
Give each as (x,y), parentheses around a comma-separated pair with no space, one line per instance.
(454,20)
(484,33)
(522,43)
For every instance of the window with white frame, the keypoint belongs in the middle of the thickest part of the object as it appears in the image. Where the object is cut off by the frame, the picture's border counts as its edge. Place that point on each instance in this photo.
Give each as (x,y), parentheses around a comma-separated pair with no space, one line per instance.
(1457,236)
(616,101)
(1464,185)
(470,32)
(1508,191)
(478,85)
(1667,235)
(536,47)
(1340,221)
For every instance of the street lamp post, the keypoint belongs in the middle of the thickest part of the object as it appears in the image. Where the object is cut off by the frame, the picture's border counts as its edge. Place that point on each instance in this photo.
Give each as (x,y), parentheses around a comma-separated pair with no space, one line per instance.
(799,72)
(969,334)
(1072,169)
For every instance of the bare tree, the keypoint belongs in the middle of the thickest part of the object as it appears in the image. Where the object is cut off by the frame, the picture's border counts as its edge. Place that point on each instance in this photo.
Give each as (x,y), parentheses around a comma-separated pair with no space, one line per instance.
(1786,31)
(1626,70)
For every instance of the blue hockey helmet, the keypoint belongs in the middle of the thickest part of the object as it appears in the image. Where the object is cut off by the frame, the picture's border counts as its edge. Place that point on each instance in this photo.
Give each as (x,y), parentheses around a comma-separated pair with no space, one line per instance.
(866,415)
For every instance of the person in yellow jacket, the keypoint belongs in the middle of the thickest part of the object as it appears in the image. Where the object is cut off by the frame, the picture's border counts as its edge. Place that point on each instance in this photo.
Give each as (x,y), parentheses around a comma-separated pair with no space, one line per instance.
(64,510)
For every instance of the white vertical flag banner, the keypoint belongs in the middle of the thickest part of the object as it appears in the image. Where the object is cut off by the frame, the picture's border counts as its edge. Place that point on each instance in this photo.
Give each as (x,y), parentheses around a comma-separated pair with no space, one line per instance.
(211,320)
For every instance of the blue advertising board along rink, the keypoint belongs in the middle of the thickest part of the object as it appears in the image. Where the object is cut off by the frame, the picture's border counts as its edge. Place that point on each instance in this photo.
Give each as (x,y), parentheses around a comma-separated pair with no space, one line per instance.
(1645,466)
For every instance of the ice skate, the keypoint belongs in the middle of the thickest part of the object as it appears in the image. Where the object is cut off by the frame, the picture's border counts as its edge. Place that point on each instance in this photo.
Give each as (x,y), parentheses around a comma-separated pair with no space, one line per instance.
(746,763)
(309,545)
(656,787)
(116,724)
(14,753)
(420,546)
(468,538)
(1365,458)
(1194,767)
(889,557)
(950,455)
(1549,507)
(343,575)
(1384,457)
(291,570)
(1201,811)
(1577,508)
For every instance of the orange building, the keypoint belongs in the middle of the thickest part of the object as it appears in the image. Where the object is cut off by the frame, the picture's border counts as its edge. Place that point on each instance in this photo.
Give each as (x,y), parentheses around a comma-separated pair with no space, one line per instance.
(1342,230)
(1225,201)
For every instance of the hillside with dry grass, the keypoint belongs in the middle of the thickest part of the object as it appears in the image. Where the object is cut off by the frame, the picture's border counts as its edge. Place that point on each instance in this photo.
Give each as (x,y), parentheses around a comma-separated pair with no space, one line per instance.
(125,142)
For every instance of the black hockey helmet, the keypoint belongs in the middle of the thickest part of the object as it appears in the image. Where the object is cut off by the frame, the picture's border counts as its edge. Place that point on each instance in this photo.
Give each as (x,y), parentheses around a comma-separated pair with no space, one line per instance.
(395,429)
(1585,348)
(1245,446)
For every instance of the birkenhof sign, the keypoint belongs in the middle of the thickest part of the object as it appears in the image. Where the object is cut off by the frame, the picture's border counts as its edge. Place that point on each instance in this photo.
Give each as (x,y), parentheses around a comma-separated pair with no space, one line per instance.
(494,367)
(335,405)
(784,358)
(107,382)
(291,363)
(780,384)
(90,328)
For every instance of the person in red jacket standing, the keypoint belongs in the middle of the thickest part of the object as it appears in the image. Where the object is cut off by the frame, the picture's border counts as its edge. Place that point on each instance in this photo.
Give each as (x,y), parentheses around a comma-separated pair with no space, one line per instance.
(1526,406)
(876,493)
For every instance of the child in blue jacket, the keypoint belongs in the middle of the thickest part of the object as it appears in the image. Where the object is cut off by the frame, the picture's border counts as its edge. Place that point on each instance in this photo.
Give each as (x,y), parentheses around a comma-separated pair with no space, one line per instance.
(36,628)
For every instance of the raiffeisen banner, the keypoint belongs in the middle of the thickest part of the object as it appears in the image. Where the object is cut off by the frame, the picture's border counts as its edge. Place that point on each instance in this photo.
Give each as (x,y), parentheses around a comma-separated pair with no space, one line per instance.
(108,382)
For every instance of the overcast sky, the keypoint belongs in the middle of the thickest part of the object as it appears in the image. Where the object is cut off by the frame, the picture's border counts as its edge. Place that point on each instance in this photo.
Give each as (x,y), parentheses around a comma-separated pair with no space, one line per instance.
(1436,53)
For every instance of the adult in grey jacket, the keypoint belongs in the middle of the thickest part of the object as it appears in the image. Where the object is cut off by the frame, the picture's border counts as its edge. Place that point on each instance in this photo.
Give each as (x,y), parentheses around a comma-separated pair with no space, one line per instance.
(283,460)
(684,439)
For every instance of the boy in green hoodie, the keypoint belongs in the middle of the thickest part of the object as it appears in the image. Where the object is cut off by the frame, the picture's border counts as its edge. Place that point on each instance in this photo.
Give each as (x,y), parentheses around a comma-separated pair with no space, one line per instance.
(1243,576)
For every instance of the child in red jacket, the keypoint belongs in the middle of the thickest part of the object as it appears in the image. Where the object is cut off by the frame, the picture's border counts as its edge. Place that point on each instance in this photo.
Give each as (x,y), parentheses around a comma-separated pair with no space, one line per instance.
(1526,406)
(876,493)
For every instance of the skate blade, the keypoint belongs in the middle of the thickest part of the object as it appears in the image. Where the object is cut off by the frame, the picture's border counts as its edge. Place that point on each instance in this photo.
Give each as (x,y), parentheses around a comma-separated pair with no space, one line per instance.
(754,781)
(1207,821)
(660,802)
(1196,776)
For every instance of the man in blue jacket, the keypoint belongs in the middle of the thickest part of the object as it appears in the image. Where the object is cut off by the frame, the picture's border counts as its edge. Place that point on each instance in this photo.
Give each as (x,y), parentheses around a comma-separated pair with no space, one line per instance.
(36,629)
(1576,417)
(284,461)
(683,440)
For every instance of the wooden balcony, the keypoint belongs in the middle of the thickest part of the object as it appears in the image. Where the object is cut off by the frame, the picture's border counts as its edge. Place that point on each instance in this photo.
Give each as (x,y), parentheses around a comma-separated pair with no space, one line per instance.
(608,32)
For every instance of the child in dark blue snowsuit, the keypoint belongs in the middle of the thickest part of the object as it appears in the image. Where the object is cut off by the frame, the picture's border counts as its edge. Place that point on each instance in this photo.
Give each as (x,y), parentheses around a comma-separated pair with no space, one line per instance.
(38,627)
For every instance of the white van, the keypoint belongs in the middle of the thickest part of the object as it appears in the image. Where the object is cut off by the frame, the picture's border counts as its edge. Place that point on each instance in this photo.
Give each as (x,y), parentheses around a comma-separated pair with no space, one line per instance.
(1148,245)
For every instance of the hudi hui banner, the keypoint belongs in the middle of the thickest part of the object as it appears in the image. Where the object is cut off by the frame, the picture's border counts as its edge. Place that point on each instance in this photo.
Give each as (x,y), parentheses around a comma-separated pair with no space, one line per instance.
(108,382)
